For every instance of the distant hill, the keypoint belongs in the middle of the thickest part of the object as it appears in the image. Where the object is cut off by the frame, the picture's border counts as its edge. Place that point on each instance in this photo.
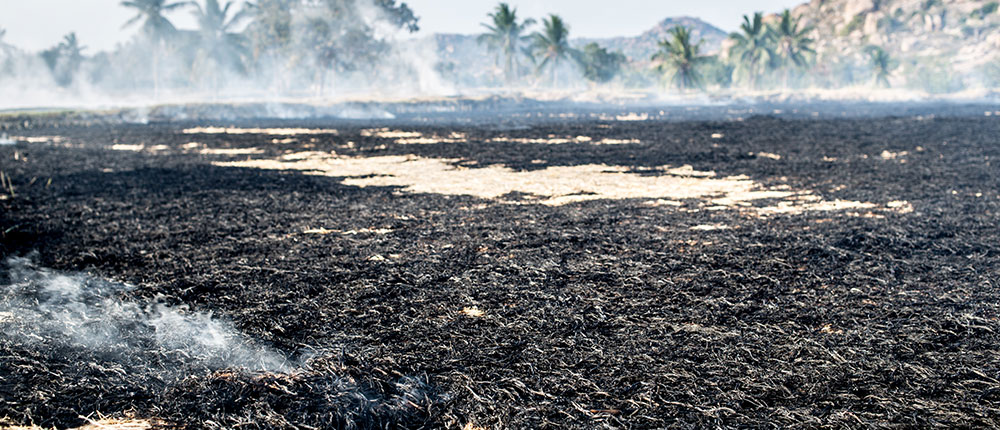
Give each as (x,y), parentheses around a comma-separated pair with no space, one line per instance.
(640,48)
(944,44)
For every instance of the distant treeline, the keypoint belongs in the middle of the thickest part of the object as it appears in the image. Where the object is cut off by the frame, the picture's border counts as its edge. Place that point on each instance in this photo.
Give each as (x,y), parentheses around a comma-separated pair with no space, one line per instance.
(305,47)
(284,44)
(766,53)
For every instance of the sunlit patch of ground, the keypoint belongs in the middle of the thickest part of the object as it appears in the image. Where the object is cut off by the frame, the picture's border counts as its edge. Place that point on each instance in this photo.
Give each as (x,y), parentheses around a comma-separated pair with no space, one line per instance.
(230,151)
(610,141)
(710,227)
(432,140)
(768,155)
(35,139)
(631,116)
(557,185)
(386,133)
(102,424)
(324,231)
(265,131)
(414,137)
(191,147)
(903,207)
(550,140)
(473,312)
(562,140)
(126,147)
(799,206)
(897,156)
(663,202)
(139,148)
(403,137)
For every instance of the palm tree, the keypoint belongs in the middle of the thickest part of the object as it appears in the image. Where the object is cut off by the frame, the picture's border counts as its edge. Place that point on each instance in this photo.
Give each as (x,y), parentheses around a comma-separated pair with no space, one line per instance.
(551,45)
(72,49)
(505,36)
(794,49)
(881,64)
(339,48)
(214,20)
(220,43)
(272,23)
(597,64)
(753,49)
(271,37)
(679,58)
(64,59)
(155,26)
(4,48)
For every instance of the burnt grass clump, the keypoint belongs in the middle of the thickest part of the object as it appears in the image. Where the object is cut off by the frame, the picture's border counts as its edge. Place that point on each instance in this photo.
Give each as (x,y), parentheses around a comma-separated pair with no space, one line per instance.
(598,314)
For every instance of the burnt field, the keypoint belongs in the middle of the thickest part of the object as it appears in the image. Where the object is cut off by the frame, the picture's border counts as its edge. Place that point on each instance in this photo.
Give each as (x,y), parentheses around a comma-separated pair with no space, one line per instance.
(596,271)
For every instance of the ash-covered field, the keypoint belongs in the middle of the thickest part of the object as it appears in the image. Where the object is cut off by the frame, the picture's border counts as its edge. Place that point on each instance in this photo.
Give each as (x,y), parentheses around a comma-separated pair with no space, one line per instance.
(547,270)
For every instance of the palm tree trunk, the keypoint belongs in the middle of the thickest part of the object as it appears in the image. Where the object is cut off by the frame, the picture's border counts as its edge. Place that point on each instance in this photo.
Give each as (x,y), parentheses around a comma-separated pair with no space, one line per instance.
(508,68)
(156,70)
(217,84)
(555,74)
(321,77)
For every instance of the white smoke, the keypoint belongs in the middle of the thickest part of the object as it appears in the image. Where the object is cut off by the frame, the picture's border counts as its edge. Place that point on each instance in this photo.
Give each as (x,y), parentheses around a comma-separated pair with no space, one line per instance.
(162,349)
(43,306)
(125,78)
(292,72)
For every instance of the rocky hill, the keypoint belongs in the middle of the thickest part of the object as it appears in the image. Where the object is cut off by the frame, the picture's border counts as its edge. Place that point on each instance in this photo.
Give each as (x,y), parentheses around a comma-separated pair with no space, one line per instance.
(945,44)
(938,46)
(640,48)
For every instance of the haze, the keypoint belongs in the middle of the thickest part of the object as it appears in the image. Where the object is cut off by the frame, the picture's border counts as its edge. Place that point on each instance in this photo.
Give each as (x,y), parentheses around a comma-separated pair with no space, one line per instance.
(39,24)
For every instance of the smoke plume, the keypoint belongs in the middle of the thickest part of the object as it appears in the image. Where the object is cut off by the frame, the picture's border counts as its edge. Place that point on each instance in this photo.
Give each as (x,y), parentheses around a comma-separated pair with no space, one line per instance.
(80,344)
(81,311)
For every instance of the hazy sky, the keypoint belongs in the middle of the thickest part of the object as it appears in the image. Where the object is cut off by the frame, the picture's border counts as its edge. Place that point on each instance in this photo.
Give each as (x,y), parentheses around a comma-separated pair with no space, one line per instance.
(39,24)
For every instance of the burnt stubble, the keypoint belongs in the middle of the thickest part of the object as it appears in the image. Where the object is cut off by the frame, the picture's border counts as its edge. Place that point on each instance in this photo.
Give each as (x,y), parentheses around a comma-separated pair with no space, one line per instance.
(401,309)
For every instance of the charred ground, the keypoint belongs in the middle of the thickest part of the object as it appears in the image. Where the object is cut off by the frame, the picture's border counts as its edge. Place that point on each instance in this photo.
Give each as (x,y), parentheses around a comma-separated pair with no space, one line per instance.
(607,313)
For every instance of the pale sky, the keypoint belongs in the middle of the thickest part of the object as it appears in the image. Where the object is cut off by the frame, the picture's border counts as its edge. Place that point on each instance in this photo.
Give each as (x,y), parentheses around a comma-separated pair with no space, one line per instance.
(38,24)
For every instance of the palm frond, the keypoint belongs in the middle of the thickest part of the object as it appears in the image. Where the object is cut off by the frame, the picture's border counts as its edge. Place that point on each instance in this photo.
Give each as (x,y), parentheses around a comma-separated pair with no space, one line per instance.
(679,59)
(504,36)
(132,21)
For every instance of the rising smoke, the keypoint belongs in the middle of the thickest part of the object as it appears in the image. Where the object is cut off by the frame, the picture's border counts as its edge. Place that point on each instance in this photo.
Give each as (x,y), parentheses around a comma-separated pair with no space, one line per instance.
(83,312)
(324,51)
(264,50)
(77,345)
